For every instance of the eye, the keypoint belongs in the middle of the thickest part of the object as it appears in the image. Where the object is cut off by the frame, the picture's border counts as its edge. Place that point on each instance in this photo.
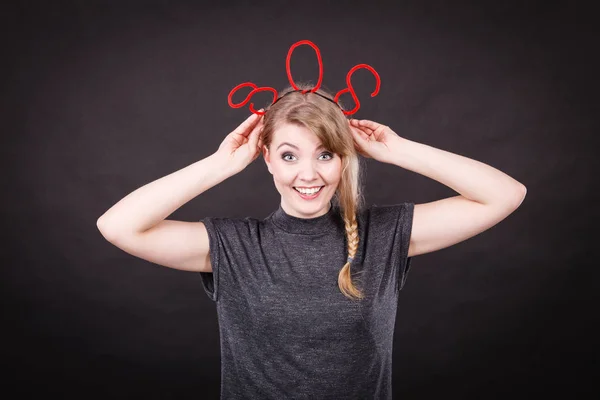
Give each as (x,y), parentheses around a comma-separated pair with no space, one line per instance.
(284,155)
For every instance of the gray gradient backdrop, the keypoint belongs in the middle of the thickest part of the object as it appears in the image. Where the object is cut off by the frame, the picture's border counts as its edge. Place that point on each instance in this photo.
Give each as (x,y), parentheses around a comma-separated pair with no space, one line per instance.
(100,98)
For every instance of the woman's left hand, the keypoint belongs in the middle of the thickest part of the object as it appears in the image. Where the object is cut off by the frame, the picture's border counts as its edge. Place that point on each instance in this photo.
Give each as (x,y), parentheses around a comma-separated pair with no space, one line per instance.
(373,140)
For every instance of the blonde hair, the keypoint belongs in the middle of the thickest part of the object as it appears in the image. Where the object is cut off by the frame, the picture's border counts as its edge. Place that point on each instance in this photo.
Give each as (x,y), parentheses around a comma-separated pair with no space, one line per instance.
(328,122)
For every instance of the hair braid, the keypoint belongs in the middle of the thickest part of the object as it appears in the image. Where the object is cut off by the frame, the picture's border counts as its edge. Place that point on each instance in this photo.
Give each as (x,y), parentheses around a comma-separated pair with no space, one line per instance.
(345,277)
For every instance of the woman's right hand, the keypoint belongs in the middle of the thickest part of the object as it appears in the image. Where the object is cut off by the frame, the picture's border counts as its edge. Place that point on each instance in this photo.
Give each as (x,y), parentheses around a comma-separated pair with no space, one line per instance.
(242,146)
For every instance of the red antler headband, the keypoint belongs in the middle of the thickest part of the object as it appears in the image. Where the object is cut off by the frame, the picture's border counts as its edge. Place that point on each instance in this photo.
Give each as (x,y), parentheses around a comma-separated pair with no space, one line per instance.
(256,89)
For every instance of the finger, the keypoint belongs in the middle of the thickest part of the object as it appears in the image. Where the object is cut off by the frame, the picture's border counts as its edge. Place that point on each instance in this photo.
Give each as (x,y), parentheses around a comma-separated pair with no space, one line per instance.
(360,134)
(360,150)
(369,124)
(254,136)
(246,127)
(257,134)
(376,127)
(368,131)
(356,123)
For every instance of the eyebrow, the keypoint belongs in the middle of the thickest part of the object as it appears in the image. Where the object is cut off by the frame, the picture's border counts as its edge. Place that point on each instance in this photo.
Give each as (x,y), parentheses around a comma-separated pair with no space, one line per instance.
(296,147)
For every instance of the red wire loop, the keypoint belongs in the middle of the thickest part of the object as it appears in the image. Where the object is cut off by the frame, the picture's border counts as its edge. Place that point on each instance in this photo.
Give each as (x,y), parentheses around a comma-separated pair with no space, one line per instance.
(349,88)
(319,60)
(249,96)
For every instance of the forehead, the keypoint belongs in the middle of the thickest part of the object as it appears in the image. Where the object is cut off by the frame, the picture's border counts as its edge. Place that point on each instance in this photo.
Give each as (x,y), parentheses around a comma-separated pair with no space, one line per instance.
(297,135)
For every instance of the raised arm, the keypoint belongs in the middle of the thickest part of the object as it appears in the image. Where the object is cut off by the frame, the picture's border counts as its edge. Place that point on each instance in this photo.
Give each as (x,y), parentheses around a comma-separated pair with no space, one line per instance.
(137,224)
(150,204)
(486,194)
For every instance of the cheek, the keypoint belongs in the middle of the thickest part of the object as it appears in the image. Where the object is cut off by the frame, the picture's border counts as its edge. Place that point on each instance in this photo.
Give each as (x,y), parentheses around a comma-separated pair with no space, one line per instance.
(334,171)
(336,166)
(283,176)
(280,172)
(287,175)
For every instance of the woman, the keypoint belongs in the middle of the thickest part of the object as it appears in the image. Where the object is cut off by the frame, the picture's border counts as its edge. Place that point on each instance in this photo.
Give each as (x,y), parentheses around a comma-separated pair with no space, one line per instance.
(306,298)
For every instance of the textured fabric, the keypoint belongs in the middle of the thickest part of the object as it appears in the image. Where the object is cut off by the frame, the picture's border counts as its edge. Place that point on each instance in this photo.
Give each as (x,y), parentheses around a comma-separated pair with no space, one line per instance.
(286,329)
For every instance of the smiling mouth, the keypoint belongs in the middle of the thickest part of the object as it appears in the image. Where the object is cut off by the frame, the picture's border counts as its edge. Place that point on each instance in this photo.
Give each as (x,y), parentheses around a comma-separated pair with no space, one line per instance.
(319,187)
(311,195)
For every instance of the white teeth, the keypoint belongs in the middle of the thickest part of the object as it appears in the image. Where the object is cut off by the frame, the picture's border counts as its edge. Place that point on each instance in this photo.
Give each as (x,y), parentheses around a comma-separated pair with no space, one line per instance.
(308,191)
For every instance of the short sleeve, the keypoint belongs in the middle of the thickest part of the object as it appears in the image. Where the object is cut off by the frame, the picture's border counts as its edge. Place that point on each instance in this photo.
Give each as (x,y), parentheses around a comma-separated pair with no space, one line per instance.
(210,280)
(395,224)
(231,243)
(405,222)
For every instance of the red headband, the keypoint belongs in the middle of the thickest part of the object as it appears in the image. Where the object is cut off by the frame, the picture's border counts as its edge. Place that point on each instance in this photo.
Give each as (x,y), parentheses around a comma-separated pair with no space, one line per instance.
(256,89)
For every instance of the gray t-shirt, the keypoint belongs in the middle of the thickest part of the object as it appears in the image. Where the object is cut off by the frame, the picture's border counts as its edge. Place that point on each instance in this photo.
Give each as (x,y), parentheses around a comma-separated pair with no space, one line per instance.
(286,329)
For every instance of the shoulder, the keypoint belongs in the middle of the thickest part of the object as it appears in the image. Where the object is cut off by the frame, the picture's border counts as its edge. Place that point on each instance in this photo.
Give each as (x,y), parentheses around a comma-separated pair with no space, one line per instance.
(389,213)
(233,225)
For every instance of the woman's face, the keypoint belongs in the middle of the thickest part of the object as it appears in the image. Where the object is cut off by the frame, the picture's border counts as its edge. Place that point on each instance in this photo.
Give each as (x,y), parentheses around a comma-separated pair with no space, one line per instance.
(296,160)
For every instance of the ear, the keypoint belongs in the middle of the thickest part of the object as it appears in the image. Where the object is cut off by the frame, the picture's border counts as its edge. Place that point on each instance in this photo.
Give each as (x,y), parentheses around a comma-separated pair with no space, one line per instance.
(267,158)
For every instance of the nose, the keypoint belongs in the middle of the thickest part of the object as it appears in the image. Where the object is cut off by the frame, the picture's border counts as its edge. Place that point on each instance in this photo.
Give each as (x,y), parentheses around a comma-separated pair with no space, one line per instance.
(308,171)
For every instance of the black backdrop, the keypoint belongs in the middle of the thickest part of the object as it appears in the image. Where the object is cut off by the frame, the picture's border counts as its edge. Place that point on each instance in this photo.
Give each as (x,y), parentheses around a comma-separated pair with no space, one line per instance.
(100,98)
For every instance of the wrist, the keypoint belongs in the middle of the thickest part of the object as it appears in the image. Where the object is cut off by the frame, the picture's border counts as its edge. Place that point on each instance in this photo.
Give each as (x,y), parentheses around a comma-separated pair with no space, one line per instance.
(224,163)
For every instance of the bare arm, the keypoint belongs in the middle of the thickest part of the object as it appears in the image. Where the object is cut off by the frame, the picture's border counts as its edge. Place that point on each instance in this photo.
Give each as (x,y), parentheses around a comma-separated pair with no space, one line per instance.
(137,224)
(487,196)
(150,204)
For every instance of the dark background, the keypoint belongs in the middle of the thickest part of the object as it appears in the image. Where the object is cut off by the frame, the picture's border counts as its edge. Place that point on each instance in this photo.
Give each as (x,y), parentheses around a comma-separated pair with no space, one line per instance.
(100,98)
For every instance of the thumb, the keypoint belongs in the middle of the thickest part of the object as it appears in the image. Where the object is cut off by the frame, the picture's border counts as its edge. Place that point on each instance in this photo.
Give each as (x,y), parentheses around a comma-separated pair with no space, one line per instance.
(255,135)
(359,135)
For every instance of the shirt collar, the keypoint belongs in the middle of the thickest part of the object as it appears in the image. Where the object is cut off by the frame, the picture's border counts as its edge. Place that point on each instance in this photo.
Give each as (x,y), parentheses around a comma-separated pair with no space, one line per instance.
(326,223)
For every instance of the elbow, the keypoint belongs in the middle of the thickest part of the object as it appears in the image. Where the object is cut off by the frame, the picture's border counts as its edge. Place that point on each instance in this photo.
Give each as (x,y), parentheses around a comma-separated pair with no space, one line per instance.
(520,195)
(104,229)
(101,225)
(114,232)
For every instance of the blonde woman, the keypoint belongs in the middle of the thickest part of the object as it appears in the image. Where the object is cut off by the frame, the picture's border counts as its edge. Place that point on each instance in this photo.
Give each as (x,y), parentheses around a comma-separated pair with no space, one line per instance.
(306,298)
